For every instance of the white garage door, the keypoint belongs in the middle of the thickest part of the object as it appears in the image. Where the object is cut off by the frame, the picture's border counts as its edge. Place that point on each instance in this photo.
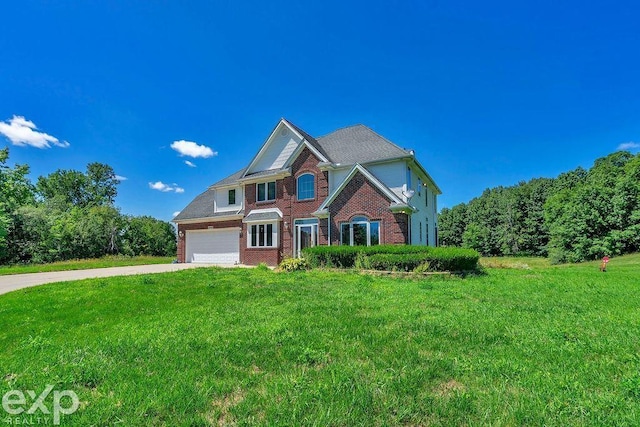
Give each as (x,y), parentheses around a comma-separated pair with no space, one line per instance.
(213,246)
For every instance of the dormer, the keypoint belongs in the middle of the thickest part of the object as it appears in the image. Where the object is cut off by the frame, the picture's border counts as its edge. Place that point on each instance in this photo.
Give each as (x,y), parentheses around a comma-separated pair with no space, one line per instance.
(228,198)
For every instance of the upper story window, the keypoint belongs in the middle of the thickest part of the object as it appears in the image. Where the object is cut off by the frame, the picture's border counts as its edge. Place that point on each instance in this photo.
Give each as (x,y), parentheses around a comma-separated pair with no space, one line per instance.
(306,186)
(419,187)
(266,191)
(232,197)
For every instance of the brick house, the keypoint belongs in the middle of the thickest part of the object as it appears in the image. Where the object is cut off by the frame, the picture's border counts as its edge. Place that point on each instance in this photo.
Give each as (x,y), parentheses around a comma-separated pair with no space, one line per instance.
(350,187)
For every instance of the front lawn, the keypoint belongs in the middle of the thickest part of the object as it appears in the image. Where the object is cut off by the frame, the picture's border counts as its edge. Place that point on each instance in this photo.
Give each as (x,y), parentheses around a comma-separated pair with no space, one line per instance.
(85,264)
(516,346)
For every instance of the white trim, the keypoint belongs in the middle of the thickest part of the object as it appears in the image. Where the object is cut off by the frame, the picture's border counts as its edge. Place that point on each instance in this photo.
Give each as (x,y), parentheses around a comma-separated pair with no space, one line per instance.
(298,150)
(209,219)
(315,234)
(275,234)
(368,222)
(313,196)
(201,230)
(266,143)
(278,211)
(358,168)
(275,175)
(266,190)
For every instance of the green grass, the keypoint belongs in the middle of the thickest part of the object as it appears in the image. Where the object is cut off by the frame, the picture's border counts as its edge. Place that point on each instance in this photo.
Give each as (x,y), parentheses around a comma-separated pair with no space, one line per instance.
(84,264)
(515,346)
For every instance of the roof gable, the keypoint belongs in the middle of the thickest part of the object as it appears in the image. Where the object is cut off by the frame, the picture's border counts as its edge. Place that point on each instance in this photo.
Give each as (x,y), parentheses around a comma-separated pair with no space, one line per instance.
(395,200)
(278,148)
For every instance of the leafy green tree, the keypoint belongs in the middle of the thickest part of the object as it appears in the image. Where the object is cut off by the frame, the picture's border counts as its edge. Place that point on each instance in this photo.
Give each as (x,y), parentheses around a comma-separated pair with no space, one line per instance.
(96,187)
(581,214)
(451,225)
(16,190)
(600,214)
(145,235)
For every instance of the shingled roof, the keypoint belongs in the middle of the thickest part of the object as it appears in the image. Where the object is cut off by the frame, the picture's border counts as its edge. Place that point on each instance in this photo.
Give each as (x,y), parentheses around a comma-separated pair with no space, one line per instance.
(346,146)
(202,207)
(359,144)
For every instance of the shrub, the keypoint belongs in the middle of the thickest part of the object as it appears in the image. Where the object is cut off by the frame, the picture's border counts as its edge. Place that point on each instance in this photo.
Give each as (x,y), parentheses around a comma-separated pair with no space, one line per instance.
(294,264)
(331,256)
(406,258)
(397,262)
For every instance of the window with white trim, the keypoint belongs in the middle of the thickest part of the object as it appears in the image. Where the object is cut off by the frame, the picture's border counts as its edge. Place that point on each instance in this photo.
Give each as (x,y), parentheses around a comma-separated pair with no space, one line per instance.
(232,197)
(263,235)
(360,232)
(306,186)
(266,191)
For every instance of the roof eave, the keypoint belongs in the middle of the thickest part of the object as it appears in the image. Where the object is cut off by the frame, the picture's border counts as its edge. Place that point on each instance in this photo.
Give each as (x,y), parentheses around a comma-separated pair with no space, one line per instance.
(402,208)
(278,174)
(207,219)
(321,213)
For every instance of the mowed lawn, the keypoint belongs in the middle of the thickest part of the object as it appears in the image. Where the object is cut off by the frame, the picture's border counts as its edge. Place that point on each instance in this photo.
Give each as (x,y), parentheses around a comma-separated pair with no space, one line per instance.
(545,345)
(84,264)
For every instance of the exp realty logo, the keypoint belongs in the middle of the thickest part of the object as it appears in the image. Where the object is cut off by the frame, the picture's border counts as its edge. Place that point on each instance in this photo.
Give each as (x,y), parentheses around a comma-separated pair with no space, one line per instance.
(29,408)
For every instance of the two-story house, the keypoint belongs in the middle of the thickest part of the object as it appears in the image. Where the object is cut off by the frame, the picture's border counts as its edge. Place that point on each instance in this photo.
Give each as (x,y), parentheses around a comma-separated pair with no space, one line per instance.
(350,187)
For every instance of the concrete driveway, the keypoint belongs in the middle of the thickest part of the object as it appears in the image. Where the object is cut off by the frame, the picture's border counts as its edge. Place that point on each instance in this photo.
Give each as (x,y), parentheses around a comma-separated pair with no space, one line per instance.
(20,281)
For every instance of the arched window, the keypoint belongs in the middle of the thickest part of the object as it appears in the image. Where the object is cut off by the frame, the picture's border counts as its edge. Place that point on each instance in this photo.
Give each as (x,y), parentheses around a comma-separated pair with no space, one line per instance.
(360,232)
(306,186)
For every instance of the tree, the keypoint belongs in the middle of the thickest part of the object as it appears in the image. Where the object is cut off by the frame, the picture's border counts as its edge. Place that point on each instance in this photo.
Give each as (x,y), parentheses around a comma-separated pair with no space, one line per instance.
(96,187)
(581,214)
(451,225)
(16,190)
(145,235)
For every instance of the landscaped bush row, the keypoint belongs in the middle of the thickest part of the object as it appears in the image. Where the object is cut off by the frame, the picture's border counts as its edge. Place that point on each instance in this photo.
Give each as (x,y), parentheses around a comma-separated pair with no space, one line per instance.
(393,257)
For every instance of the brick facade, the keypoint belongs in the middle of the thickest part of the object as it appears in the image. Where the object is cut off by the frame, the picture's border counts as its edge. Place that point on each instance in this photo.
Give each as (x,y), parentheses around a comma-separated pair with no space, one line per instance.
(291,208)
(361,198)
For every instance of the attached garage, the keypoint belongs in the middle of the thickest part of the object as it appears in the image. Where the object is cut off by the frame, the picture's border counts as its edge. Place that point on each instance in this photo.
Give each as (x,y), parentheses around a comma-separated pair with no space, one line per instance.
(214,246)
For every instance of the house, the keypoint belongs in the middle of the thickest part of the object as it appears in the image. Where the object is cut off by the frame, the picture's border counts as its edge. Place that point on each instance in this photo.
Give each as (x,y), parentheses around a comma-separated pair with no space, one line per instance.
(350,187)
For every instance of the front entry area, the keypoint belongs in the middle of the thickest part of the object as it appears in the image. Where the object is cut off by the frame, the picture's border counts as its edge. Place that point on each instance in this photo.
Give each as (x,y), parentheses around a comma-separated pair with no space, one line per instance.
(306,234)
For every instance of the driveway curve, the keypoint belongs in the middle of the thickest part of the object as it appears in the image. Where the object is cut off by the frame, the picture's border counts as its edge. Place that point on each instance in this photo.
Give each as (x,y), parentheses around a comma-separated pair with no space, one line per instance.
(19,281)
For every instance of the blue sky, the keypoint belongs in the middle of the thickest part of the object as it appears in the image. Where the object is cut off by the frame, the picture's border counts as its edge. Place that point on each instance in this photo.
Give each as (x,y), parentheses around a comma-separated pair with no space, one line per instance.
(487,93)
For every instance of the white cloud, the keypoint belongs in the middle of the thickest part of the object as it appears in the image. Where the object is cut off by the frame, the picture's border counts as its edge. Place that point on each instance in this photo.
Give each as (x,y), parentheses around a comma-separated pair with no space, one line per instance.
(21,132)
(629,146)
(121,178)
(191,149)
(165,188)
(188,163)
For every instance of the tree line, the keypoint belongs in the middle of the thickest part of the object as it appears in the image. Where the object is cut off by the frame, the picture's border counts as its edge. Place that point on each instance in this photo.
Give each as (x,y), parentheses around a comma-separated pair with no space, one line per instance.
(579,215)
(70,214)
